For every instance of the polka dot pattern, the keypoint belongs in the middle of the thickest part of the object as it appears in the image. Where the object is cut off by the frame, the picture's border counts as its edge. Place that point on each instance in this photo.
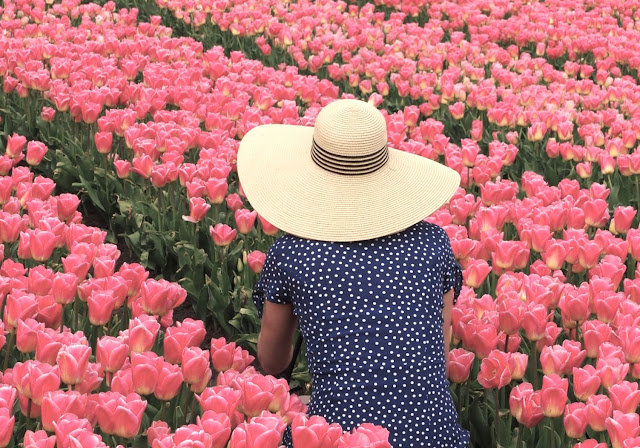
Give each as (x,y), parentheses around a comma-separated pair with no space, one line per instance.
(370,313)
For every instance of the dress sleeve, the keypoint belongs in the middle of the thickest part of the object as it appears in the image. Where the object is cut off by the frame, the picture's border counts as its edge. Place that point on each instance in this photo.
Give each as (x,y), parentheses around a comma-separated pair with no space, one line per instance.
(272,284)
(451,270)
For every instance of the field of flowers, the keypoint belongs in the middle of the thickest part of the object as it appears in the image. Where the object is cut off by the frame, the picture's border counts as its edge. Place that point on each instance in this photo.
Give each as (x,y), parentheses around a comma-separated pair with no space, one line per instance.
(128,114)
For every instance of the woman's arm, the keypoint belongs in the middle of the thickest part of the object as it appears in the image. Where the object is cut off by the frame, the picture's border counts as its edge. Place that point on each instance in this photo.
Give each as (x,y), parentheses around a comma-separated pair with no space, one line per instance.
(446,325)
(275,341)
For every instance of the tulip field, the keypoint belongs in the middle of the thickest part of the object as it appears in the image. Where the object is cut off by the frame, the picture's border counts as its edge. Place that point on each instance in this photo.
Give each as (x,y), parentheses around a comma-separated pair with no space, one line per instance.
(128,251)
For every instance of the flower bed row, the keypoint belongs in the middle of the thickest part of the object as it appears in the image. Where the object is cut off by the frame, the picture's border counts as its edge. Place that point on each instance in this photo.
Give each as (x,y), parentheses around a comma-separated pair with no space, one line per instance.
(92,357)
(548,288)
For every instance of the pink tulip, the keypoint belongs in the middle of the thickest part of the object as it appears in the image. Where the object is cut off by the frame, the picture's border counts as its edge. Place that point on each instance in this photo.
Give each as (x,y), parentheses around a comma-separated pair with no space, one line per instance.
(73,361)
(15,145)
(35,152)
(169,381)
(621,427)
(143,331)
(366,434)
(195,362)
(158,297)
(267,228)
(57,403)
(111,353)
(261,431)
(494,370)
(575,420)
(586,382)
(198,208)
(554,395)
(459,365)
(145,369)
(157,431)
(39,439)
(256,260)
(524,404)
(245,220)
(599,409)
(314,432)
(222,400)
(218,426)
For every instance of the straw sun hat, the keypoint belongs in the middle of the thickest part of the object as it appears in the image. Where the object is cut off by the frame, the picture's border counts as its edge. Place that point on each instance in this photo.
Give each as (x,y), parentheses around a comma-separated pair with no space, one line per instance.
(339,181)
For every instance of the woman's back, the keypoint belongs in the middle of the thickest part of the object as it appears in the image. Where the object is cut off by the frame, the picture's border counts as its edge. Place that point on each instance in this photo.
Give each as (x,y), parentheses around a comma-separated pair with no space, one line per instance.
(371,316)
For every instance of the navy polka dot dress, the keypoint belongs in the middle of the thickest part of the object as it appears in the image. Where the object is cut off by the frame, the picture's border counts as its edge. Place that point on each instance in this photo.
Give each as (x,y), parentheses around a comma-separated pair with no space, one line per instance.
(370,313)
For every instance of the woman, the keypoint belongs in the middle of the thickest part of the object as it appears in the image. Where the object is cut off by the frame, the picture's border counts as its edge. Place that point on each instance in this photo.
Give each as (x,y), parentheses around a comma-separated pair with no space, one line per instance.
(369,282)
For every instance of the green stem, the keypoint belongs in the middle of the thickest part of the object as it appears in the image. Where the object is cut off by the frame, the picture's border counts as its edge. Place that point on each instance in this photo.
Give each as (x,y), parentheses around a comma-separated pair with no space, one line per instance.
(28,414)
(535,364)
(520,435)
(12,340)
(75,314)
(187,404)
(552,433)
(498,419)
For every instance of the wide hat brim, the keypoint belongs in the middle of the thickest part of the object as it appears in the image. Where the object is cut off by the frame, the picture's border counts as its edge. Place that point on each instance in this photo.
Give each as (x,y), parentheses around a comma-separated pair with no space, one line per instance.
(288,189)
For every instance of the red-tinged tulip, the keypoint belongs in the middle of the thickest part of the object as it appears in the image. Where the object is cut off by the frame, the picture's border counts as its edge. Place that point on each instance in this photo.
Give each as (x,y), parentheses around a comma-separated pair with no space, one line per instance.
(35,152)
(57,403)
(596,212)
(222,234)
(47,346)
(518,365)
(203,382)
(158,297)
(554,395)
(120,415)
(101,306)
(143,166)
(92,379)
(606,304)
(27,335)
(314,432)
(34,412)
(76,264)
(198,208)
(622,219)
(366,434)
(111,353)
(192,436)
(475,272)
(245,220)
(534,321)
(633,442)
(234,202)
(35,379)
(575,420)
(169,381)
(216,190)
(599,408)
(73,361)
(536,131)
(195,361)
(15,145)
(256,260)
(48,114)
(457,110)
(263,432)
(509,255)
(494,370)
(222,400)
(42,244)
(134,274)
(574,307)
(476,130)
(218,426)
(622,427)
(188,333)
(19,305)
(123,168)
(7,422)
(103,141)
(510,312)
(625,396)
(586,382)
(481,339)
(594,334)
(143,331)
(157,431)
(11,226)
(145,368)
(267,227)
(68,424)
(122,381)
(39,439)
(611,370)
(459,365)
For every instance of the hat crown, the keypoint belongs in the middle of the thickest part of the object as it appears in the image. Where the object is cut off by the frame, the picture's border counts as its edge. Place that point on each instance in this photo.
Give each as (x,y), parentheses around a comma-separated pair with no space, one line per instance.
(350,128)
